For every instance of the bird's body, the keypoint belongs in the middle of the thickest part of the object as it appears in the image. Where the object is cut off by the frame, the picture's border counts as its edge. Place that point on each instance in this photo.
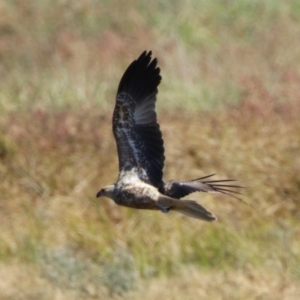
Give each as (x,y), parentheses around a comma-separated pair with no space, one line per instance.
(132,192)
(141,152)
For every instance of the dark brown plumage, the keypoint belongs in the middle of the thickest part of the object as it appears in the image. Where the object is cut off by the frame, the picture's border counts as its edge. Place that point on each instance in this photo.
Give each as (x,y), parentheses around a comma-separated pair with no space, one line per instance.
(141,152)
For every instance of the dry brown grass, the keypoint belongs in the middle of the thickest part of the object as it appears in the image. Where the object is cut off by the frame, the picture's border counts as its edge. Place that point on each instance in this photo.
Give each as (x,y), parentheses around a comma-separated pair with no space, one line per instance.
(229,103)
(23,282)
(53,173)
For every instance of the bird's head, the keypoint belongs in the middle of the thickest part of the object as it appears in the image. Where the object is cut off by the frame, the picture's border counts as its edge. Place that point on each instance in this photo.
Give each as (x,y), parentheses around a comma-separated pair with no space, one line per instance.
(106,191)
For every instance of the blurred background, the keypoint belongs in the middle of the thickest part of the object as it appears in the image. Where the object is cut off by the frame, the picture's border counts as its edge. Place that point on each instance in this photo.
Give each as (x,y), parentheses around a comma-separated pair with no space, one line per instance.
(229,103)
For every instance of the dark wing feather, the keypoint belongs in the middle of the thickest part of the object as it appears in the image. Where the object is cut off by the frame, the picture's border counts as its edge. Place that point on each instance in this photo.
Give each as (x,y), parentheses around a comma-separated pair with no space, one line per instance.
(180,189)
(138,137)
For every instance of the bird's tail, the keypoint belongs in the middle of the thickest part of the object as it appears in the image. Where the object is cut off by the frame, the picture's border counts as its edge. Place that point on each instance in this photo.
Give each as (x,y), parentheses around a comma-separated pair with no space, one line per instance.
(187,207)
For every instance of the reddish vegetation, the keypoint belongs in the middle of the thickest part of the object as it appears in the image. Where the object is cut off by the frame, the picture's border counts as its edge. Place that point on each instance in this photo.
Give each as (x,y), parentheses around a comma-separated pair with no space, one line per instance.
(228,104)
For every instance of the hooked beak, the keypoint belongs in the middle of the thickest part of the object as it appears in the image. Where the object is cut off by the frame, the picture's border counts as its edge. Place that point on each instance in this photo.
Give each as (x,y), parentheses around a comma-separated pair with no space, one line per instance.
(99,194)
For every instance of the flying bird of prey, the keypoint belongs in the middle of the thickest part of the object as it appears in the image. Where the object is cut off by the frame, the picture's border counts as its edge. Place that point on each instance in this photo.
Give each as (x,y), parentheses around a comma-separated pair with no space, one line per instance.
(141,152)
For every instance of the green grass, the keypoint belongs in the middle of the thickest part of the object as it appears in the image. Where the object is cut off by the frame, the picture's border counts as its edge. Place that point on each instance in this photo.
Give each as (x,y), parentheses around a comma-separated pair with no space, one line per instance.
(228,103)
(68,53)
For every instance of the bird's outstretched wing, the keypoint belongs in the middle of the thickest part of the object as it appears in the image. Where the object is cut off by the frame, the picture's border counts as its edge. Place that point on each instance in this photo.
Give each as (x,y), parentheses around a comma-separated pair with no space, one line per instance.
(180,189)
(138,137)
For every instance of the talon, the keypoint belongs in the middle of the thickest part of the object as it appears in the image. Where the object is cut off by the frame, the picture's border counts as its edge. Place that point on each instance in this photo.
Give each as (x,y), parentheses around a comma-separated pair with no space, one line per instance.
(164,209)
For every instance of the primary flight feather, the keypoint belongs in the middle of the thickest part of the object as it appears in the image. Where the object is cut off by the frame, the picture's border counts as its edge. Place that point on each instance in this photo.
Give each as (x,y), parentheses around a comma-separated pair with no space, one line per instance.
(140,147)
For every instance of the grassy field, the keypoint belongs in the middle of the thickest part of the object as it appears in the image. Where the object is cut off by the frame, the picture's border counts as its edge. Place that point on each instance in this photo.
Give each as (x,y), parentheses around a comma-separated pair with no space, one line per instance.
(228,104)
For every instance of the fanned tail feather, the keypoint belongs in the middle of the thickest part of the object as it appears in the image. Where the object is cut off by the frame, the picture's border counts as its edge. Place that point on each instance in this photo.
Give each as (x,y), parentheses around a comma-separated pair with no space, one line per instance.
(194,210)
(187,207)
